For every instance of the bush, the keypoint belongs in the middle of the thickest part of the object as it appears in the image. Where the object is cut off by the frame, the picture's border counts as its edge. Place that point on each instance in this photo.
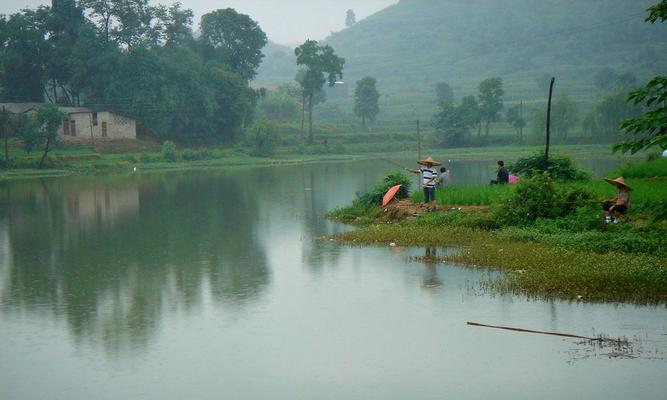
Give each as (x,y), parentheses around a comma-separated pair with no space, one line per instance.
(378,192)
(539,197)
(169,151)
(560,168)
(196,154)
(262,139)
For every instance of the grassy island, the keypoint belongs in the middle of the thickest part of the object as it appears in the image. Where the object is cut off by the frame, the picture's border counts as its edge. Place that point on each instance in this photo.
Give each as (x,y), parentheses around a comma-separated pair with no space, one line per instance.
(545,234)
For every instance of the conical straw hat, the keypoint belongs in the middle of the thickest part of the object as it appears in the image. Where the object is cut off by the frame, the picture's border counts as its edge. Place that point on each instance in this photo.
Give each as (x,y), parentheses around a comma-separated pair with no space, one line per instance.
(619,182)
(428,162)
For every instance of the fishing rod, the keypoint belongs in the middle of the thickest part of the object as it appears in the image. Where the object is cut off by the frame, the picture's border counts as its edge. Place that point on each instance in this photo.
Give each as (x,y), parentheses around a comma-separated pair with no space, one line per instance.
(394,163)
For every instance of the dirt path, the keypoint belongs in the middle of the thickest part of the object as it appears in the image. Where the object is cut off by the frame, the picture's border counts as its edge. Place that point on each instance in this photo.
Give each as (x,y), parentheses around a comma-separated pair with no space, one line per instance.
(401,209)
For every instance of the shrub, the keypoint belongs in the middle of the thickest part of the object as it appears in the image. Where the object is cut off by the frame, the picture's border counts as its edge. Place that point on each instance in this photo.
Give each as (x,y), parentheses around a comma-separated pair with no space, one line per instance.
(169,151)
(262,139)
(539,197)
(378,192)
(196,154)
(560,168)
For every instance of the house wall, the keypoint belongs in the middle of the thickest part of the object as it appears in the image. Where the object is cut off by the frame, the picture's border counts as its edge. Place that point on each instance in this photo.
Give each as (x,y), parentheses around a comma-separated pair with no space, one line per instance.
(117,126)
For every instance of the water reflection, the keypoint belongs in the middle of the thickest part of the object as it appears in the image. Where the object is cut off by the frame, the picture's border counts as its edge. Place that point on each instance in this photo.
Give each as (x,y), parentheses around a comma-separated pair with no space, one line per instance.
(110,254)
(431,279)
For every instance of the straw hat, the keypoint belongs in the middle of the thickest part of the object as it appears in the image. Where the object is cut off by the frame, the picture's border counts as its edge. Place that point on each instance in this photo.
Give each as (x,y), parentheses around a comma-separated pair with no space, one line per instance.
(618,182)
(429,162)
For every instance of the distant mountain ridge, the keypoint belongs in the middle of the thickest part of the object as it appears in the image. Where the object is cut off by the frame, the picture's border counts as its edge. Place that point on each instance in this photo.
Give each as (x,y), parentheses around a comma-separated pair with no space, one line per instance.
(412,45)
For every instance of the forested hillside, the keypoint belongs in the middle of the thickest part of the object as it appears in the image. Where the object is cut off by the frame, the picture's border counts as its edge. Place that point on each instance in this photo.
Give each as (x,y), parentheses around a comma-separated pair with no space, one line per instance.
(413,45)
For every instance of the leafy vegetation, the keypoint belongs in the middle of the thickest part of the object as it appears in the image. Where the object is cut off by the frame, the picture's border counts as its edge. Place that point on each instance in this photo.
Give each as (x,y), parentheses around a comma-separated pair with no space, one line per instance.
(321,65)
(367,205)
(366,98)
(558,168)
(137,60)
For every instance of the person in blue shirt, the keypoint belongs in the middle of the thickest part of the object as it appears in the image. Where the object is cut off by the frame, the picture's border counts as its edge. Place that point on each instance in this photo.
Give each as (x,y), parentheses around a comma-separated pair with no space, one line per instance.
(502,177)
(429,178)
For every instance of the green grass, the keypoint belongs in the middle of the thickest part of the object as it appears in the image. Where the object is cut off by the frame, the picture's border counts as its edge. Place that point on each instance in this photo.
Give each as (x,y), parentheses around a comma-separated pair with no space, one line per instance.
(466,195)
(645,192)
(650,169)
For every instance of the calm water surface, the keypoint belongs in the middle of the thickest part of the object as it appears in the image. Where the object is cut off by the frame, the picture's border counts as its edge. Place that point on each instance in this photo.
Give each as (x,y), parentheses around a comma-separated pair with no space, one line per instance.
(212,285)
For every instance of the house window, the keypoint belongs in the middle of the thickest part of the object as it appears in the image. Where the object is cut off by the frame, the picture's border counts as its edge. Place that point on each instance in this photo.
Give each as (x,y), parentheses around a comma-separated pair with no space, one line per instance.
(94,118)
(72,127)
(66,127)
(104,129)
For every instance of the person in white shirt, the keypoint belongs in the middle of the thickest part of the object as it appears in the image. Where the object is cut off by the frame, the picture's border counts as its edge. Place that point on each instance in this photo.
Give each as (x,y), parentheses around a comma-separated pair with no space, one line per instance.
(429,178)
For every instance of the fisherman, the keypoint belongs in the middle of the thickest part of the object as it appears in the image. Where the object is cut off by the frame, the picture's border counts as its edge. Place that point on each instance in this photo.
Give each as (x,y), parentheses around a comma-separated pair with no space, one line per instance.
(443,178)
(614,208)
(502,176)
(429,178)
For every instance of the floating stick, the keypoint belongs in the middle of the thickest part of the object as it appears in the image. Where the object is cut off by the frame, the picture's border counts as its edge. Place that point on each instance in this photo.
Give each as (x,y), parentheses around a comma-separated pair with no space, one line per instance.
(533,331)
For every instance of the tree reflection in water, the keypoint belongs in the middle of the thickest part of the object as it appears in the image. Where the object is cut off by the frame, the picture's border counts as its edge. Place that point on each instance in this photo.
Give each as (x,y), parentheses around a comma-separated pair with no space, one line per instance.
(112,255)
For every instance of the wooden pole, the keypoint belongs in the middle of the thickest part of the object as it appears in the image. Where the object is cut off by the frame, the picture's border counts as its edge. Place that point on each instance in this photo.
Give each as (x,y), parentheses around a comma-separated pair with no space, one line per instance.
(5,133)
(546,149)
(533,331)
(521,121)
(419,143)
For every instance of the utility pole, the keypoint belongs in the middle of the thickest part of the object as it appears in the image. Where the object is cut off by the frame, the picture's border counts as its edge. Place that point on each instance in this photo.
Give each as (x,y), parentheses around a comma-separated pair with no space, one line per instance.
(546,149)
(419,143)
(521,121)
(5,133)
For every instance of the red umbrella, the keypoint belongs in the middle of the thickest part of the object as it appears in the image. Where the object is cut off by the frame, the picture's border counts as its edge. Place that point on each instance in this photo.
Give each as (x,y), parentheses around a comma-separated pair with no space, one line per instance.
(390,195)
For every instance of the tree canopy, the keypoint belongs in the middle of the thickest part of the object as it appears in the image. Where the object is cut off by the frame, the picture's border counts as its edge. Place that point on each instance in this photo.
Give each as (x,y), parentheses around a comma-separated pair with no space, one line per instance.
(650,129)
(490,100)
(321,65)
(138,60)
(366,98)
(234,39)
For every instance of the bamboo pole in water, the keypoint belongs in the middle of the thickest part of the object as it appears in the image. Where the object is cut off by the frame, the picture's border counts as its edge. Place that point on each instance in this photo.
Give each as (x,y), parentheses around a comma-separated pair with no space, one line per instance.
(533,331)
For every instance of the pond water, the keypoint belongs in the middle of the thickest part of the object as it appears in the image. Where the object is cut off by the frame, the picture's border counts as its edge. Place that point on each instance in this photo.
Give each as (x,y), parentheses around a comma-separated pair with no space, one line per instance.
(215,284)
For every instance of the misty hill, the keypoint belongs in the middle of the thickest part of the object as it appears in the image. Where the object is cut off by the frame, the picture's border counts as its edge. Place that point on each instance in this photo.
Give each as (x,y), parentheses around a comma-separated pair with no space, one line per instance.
(414,44)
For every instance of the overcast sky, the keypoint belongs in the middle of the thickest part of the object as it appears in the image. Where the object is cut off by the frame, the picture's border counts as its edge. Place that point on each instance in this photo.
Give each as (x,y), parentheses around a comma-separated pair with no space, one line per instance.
(284,21)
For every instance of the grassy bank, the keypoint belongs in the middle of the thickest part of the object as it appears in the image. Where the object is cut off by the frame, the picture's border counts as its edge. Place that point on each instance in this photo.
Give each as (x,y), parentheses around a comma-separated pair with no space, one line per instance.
(569,253)
(532,268)
(111,157)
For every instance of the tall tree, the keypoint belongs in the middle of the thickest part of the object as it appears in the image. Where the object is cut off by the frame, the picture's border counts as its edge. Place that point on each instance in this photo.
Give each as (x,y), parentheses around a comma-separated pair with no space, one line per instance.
(450,124)
(564,115)
(178,25)
(444,92)
(318,61)
(470,113)
(366,98)
(490,101)
(350,18)
(103,11)
(65,24)
(233,39)
(650,129)
(137,24)
(515,118)
(42,129)
(23,55)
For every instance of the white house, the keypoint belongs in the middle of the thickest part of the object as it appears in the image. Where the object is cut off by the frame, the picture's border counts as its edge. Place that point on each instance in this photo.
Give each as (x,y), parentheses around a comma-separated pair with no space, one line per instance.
(83,123)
